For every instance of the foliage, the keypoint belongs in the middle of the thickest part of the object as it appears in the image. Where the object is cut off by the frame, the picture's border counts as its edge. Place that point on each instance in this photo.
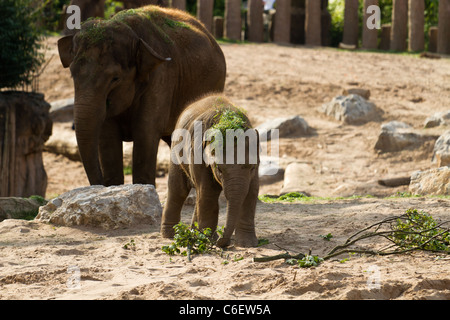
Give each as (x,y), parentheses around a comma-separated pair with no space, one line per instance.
(336,9)
(230,119)
(194,240)
(306,262)
(131,245)
(326,237)
(39,199)
(218,10)
(20,38)
(419,229)
(408,232)
(52,13)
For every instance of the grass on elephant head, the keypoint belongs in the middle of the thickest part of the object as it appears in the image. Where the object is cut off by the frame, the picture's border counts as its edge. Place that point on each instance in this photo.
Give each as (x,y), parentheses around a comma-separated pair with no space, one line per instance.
(228,118)
(96,32)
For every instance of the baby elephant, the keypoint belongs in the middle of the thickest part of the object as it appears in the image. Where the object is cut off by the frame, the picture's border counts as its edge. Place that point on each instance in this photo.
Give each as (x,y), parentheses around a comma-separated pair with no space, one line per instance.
(214,148)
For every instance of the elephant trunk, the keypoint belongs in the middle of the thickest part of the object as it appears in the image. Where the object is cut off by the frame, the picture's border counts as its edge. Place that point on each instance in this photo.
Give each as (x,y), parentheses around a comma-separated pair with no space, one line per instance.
(235,192)
(88,121)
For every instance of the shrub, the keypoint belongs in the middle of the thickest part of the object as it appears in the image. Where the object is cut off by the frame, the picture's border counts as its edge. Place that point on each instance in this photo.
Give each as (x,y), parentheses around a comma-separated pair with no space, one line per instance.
(20,38)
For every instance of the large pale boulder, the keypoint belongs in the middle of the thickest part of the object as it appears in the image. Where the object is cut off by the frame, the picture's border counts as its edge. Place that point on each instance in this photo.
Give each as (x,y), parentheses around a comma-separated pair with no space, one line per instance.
(106,207)
(297,177)
(351,109)
(431,182)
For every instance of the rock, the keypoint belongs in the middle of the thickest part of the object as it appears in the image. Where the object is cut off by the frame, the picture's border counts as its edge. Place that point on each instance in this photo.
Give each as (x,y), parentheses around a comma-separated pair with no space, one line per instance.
(270,170)
(105,207)
(438,119)
(431,182)
(441,152)
(352,109)
(288,127)
(18,208)
(296,177)
(397,136)
(365,93)
(62,110)
(63,141)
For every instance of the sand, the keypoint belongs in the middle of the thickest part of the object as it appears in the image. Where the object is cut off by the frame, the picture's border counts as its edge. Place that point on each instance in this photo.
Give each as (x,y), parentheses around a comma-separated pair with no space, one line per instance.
(43,261)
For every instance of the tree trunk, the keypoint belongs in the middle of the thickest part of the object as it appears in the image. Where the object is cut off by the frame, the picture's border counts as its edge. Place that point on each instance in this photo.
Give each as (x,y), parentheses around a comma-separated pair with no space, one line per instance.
(385,42)
(179,4)
(218,27)
(416,25)
(313,30)
(233,24)
(399,31)
(205,13)
(25,125)
(433,39)
(255,21)
(369,36)
(443,43)
(351,22)
(282,30)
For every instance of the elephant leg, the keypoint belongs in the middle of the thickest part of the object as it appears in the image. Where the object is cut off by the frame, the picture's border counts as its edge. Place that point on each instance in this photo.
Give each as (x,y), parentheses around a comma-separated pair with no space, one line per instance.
(178,190)
(111,154)
(245,228)
(145,151)
(207,204)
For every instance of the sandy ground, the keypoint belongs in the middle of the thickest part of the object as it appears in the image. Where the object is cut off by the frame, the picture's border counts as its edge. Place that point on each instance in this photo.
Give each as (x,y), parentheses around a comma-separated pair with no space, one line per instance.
(41,261)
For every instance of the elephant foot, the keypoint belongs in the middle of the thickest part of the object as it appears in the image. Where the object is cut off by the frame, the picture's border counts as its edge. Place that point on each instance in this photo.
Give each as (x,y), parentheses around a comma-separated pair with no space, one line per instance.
(223,242)
(167,231)
(246,240)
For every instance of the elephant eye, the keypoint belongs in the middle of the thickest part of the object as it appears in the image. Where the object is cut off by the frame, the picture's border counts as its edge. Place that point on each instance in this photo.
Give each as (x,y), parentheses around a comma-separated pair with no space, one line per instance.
(115,79)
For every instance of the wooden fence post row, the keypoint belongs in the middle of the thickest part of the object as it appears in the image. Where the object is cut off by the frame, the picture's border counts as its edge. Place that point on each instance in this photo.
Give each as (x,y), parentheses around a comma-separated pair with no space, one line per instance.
(406,32)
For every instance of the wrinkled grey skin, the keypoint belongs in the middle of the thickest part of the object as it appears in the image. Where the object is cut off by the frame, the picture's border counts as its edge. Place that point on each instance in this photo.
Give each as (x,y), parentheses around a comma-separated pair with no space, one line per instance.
(240,183)
(132,80)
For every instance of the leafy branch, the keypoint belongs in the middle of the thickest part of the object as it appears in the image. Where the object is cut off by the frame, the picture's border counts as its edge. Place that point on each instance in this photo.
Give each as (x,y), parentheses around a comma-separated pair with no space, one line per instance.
(195,241)
(408,232)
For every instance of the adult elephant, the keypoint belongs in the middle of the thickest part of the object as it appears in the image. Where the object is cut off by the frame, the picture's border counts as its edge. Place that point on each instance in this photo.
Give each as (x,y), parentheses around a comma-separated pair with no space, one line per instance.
(133,75)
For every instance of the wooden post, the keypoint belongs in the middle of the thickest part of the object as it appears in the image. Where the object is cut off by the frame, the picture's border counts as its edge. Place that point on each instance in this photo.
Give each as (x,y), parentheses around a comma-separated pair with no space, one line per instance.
(255,20)
(433,39)
(416,25)
(218,27)
(205,13)
(351,22)
(443,43)
(232,23)
(313,23)
(25,125)
(282,30)
(369,36)
(179,4)
(399,31)
(385,42)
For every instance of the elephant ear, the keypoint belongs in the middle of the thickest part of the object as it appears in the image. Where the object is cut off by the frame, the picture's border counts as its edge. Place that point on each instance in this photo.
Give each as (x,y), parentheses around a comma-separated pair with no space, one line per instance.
(147,59)
(65,49)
